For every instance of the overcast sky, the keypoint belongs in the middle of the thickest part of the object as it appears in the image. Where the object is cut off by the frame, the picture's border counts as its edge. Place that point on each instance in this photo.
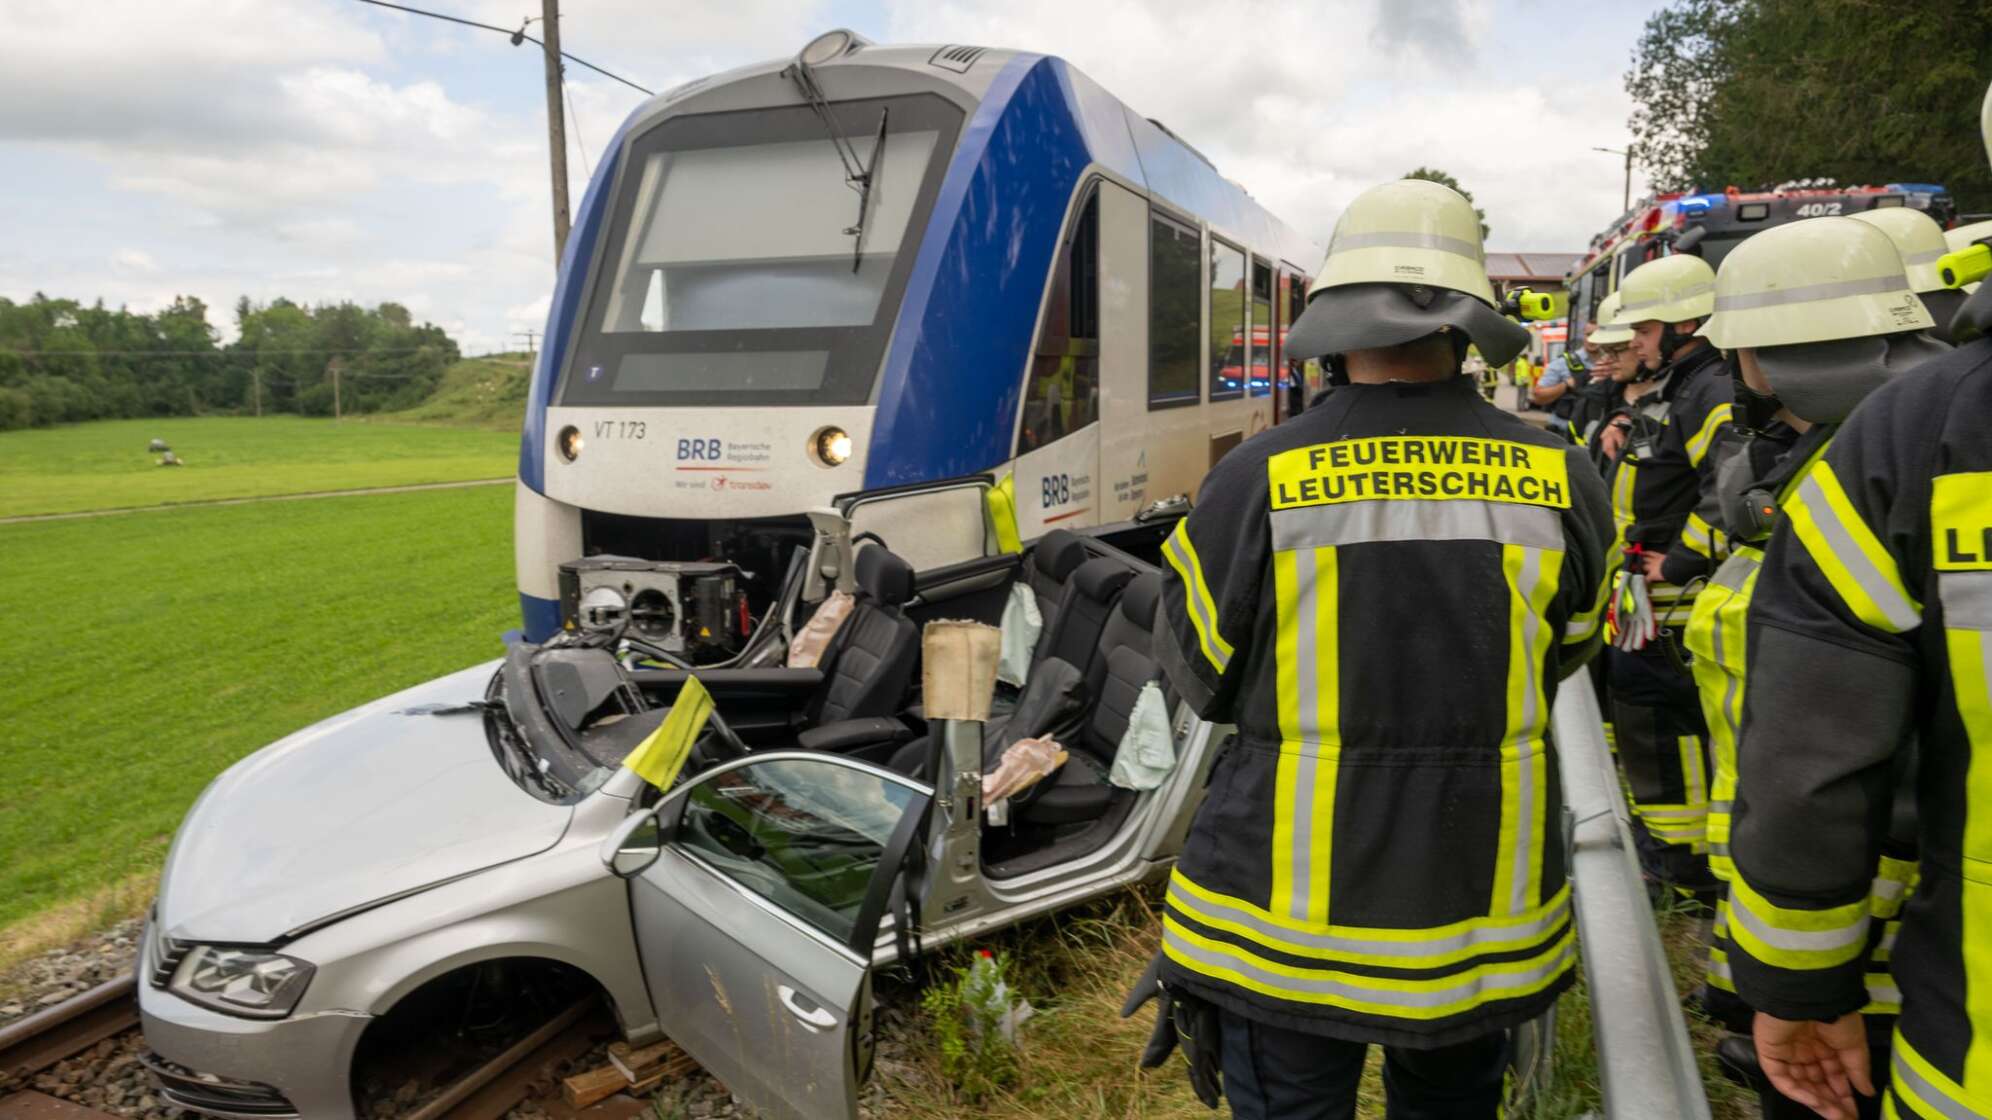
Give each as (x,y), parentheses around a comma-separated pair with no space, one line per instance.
(325,149)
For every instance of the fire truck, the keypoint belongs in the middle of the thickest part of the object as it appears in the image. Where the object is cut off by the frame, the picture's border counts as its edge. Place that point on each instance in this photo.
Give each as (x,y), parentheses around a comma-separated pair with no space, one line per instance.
(1710,224)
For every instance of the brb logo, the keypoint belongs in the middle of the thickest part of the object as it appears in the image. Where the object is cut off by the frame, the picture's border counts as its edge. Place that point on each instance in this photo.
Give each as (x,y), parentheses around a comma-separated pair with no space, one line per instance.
(1056,490)
(706,449)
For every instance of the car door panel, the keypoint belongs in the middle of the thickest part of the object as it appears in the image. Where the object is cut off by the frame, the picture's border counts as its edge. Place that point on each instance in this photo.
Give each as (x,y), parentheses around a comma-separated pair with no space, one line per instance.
(931,525)
(728,970)
(975,590)
(755,922)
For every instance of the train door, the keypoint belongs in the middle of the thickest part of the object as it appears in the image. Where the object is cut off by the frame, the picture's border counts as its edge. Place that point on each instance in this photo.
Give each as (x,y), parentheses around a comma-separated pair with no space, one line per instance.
(1229,413)
(1166,403)
(1259,333)
(1277,370)
(1058,436)
(1125,453)
(1304,376)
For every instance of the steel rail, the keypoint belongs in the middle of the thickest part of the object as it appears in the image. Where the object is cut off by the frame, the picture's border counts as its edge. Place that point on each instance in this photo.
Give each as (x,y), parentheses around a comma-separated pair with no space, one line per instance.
(30,1045)
(1646,1063)
(500,1084)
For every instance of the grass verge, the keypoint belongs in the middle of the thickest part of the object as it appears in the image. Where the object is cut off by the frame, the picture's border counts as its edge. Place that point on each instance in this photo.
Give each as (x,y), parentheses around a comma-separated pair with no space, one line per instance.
(148,652)
(1078,1056)
(104,465)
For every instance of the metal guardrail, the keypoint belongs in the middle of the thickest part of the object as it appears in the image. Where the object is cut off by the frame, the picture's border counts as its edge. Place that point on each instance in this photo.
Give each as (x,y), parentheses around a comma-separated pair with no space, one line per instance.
(1646,1063)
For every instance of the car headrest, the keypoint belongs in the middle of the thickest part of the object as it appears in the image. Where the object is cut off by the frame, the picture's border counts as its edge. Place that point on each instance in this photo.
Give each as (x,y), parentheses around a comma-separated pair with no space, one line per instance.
(1137,601)
(1100,578)
(883,576)
(1058,552)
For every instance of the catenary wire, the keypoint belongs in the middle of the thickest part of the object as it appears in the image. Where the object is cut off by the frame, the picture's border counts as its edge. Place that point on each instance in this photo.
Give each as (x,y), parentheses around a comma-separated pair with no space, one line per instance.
(506,31)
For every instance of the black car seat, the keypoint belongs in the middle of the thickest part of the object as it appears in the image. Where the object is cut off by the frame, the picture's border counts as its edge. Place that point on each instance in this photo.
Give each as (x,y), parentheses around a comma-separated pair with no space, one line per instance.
(869,663)
(1079,791)
(1064,675)
(1072,630)
(1049,567)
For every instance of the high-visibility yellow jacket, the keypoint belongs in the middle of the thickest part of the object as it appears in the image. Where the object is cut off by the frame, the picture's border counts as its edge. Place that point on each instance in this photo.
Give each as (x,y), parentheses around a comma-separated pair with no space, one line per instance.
(1663,486)
(1717,635)
(1382,595)
(1872,624)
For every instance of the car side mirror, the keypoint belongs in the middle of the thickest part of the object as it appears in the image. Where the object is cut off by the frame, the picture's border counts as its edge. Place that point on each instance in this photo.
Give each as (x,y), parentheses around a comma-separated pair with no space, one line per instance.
(633,846)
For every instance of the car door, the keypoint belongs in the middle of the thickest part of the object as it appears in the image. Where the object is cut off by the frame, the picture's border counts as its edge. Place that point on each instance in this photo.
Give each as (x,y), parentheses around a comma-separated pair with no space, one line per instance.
(943,529)
(755,922)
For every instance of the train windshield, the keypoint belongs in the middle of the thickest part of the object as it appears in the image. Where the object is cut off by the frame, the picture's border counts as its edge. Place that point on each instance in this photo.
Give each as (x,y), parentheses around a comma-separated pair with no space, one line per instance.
(733,274)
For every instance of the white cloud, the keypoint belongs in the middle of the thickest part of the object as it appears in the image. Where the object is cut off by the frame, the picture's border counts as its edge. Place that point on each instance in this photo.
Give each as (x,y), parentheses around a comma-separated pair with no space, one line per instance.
(1307,104)
(324,150)
(134,261)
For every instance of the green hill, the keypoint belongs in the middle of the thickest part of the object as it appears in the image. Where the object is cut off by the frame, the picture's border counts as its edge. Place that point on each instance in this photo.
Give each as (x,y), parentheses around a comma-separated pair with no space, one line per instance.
(485,392)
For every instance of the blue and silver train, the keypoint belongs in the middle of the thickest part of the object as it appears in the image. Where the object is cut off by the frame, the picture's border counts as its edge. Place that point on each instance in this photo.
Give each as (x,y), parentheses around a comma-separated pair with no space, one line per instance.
(873,266)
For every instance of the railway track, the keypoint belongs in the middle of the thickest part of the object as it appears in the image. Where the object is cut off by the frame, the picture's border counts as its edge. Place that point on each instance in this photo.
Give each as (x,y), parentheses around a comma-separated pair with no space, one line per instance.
(40,1041)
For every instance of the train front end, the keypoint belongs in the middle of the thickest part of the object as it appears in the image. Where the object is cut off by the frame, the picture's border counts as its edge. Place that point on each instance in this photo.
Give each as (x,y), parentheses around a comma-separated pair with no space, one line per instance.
(719,326)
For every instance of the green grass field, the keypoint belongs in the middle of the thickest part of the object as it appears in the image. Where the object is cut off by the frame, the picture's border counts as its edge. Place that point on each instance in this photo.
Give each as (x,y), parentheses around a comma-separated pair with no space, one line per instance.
(488,392)
(104,465)
(146,652)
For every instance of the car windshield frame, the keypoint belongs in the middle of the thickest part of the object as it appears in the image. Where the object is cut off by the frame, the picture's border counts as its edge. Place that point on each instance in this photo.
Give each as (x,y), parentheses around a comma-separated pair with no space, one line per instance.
(527,741)
(852,355)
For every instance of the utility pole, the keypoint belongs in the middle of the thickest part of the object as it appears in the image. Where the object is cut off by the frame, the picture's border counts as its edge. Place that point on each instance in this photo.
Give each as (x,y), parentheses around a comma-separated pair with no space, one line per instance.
(1625,196)
(337,413)
(556,124)
(531,337)
(256,376)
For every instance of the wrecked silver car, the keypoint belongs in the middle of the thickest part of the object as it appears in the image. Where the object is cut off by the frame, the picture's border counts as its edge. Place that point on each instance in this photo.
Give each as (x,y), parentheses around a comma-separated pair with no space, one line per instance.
(820,826)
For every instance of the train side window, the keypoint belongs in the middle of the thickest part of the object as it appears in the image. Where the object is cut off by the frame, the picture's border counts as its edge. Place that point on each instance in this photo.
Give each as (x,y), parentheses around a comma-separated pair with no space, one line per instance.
(1063,394)
(1259,370)
(1293,300)
(1175,313)
(1227,321)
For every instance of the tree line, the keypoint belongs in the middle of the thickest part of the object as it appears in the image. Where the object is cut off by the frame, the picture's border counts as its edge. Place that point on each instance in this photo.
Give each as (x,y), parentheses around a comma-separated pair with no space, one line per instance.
(1749,93)
(62,361)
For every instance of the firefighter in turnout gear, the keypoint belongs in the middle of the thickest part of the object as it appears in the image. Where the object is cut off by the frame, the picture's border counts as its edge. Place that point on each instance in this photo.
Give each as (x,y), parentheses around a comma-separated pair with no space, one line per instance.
(1382,595)
(1920,240)
(1870,630)
(1663,495)
(1602,396)
(1815,315)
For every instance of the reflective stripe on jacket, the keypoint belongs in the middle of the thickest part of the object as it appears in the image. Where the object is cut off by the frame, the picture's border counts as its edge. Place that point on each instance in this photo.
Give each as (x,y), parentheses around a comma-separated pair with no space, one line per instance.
(1670,500)
(1382,595)
(1717,635)
(1871,627)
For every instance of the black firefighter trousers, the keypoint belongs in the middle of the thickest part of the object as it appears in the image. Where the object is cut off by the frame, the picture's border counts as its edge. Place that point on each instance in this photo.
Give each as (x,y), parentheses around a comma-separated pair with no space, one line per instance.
(1662,745)
(1275,1074)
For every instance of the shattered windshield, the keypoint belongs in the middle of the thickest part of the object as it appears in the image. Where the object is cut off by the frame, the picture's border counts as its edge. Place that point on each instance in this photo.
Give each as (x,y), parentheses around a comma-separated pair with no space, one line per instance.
(560,721)
(734,270)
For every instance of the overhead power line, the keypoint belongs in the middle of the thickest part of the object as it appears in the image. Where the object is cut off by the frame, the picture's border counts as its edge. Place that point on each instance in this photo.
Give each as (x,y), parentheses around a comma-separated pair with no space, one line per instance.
(580,141)
(511,34)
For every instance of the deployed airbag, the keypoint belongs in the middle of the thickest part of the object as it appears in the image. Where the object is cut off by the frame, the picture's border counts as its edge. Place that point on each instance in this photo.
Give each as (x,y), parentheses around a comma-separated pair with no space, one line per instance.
(1022,623)
(1147,751)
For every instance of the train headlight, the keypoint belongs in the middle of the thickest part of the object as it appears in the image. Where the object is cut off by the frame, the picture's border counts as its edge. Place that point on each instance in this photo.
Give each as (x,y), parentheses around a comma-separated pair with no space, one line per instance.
(603,610)
(831,445)
(569,443)
(829,45)
(254,983)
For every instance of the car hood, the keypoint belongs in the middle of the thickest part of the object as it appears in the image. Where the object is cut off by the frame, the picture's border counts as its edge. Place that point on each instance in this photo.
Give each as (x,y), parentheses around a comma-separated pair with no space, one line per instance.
(378,802)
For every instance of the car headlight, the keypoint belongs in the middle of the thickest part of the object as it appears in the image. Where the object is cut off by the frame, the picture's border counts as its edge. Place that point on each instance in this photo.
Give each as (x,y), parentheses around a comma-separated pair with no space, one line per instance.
(253,983)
